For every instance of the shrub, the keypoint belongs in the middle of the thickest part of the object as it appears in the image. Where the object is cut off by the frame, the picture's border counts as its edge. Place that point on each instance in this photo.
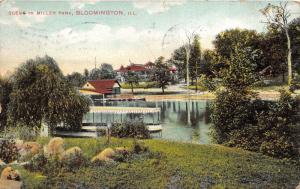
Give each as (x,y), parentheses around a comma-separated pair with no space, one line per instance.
(139,147)
(267,127)
(22,132)
(208,83)
(278,126)
(130,130)
(295,84)
(230,111)
(8,150)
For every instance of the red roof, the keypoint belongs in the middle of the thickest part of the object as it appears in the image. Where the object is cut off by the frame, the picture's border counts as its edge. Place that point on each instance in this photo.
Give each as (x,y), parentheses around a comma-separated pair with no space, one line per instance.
(133,67)
(136,68)
(102,86)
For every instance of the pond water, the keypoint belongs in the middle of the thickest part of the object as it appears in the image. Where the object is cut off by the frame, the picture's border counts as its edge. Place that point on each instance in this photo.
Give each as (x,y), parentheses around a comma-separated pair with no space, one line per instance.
(187,121)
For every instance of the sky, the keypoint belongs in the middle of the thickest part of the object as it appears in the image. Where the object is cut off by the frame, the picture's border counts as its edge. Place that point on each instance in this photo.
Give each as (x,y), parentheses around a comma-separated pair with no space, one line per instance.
(136,31)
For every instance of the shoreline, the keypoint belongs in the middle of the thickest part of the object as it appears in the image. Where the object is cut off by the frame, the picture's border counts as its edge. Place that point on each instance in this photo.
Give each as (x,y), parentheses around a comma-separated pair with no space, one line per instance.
(264,95)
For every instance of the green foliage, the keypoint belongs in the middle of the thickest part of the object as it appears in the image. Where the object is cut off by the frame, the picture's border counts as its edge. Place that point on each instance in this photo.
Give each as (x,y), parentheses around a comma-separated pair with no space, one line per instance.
(208,83)
(295,85)
(107,71)
(8,150)
(131,78)
(195,59)
(231,111)
(42,94)
(5,90)
(22,132)
(139,147)
(140,85)
(241,73)
(227,41)
(180,165)
(161,73)
(53,166)
(278,127)
(130,130)
(76,79)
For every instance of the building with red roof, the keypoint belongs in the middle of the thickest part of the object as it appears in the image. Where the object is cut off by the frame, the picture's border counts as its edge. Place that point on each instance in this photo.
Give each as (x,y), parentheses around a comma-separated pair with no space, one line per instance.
(142,70)
(101,87)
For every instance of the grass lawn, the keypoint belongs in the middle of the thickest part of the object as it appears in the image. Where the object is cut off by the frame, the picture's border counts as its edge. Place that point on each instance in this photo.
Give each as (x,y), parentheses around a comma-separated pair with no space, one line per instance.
(180,165)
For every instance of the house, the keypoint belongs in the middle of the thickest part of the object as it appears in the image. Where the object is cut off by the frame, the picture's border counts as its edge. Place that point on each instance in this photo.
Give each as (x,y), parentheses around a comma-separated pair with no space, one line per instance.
(103,88)
(142,70)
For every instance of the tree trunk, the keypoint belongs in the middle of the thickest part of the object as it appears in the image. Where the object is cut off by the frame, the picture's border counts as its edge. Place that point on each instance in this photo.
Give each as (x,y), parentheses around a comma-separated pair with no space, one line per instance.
(131,88)
(196,84)
(289,57)
(163,89)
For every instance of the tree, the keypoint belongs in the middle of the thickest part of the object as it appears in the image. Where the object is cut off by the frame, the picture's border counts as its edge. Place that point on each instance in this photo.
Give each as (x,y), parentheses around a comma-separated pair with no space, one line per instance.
(212,64)
(76,79)
(179,60)
(231,110)
(95,74)
(41,94)
(161,73)
(5,90)
(132,78)
(106,71)
(277,16)
(274,54)
(227,41)
(294,31)
(86,74)
(195,60)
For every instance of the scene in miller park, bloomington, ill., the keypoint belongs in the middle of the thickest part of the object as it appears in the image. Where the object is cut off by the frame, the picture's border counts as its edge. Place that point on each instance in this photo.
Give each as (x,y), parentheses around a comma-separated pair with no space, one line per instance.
(168,94)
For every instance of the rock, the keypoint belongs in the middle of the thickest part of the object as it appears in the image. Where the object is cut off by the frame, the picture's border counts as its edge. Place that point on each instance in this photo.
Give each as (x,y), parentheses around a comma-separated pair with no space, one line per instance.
(19,144)
(122,150)
(2,163)
(74,151)
(10,174)
(55,147)
(106,155)
(33,147)
(10,184)
(28,150)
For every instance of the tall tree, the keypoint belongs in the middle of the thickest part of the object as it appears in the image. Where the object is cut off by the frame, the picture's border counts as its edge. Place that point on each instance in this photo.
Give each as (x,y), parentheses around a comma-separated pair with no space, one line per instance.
(178,58)
(195,59)
(277,16)
(131,78)
(294,31)
(161,73)
(76,79)
(107,71)
(95,74)
(42,94)
(5,90)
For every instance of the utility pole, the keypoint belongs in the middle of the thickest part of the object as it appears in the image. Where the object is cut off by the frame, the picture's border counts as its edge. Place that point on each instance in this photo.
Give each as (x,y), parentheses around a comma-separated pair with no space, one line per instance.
(95,62)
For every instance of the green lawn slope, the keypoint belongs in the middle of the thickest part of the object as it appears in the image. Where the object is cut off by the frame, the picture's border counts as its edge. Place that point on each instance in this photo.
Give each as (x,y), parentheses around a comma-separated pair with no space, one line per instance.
(180,165)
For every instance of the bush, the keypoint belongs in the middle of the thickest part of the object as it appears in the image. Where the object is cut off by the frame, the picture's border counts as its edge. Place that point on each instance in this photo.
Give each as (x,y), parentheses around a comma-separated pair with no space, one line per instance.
(208,83)
(8,150)
(130,130)
(23,132)
(295,85)
(230,111)
(261,126)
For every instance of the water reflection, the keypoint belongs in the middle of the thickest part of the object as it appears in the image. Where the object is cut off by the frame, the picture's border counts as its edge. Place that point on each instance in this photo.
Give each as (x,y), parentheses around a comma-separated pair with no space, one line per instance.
(187,121)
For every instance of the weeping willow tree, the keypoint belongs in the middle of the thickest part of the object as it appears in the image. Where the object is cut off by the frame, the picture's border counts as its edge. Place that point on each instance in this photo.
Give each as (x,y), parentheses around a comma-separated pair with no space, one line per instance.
(41,94)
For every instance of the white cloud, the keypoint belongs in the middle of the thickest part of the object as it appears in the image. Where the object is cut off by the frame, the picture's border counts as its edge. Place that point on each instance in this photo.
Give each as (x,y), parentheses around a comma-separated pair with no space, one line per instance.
(81,4)
(154,6)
